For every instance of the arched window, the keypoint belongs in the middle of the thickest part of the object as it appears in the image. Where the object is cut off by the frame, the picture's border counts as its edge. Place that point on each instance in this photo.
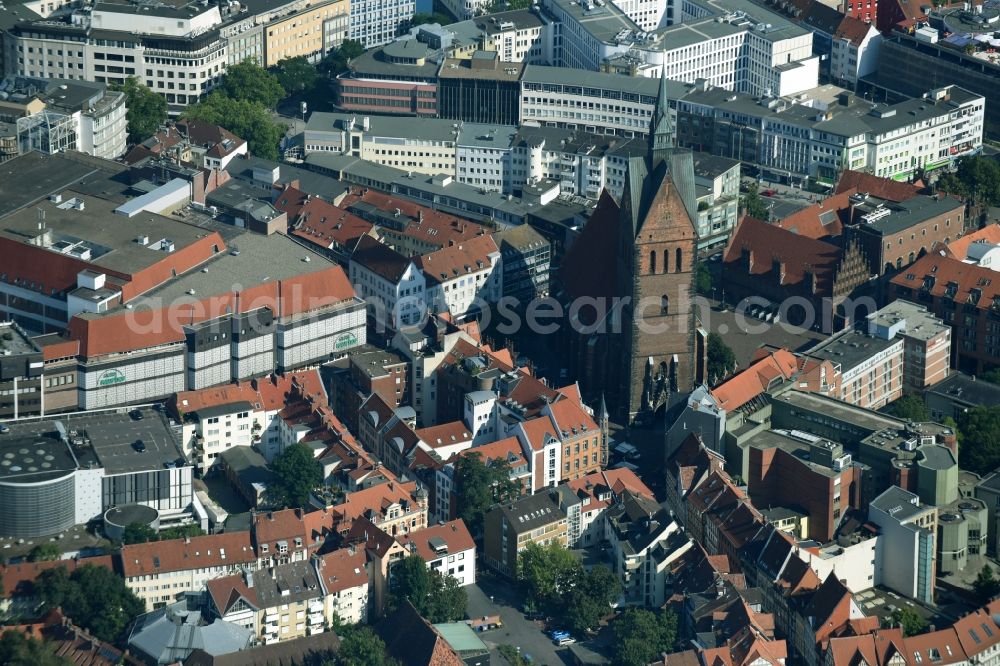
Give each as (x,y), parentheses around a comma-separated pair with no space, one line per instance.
(899,262)
(913,257)
(665,304)
(652,261)
(677,261)
(666,261)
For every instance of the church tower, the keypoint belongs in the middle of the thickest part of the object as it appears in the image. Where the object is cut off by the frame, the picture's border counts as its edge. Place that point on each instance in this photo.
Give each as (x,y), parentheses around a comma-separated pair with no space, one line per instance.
(656,268)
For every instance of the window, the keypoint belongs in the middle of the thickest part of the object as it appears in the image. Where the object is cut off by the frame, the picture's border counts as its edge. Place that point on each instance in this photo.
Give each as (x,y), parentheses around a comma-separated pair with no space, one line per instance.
(677,261)
(652,261)
(665,305)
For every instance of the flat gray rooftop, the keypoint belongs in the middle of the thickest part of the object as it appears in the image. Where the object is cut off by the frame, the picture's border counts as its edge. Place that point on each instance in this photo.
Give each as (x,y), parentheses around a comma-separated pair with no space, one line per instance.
(113,436)
(33,176)
(920,323)
(27,457)
(110,238)
(14,341)
(261,259)
(851,349)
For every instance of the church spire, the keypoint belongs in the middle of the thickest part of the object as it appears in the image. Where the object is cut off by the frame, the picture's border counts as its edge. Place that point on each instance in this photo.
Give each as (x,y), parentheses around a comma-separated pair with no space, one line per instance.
(661,129)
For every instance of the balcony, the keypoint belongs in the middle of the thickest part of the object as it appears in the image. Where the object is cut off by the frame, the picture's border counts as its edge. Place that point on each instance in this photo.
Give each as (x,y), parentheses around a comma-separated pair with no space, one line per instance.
(315,606)
(312,631)
(315,618)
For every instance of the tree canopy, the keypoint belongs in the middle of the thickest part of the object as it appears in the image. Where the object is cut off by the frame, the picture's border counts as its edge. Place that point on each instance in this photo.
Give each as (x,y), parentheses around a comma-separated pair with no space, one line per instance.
(753,204)
(246,119)
(977,178)
(910,620)
(641,635)
(16,649)
(909,407)
(248,81)
(721,359)
(296,75)
(296,474)
(337,60)
(437,597)
(979,430)
(703,279)
(479,486)
(555,582)
(420,18)
(147,110)
(138,533)
(95,598)
(986,586)
(45,552)
(360,646)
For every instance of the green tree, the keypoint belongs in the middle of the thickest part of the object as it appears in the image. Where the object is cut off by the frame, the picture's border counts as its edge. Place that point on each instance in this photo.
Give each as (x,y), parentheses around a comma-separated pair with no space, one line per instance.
(753,204)
(435,17)
(721,359)
(703,279)
(976,178)
(296,474)
(16,649)
(986,586)
(246,119)
(147,110)
(640,636)
(338,59)
(436,597)
(296,75)
(909,407)
(181,531)
(95,598)
(979,430)
(360,646)
(507,5)
(512,655)
(992,376)
(546,572)
(248,81)
(139,533)
(45,552)
(910,620)
(479,486)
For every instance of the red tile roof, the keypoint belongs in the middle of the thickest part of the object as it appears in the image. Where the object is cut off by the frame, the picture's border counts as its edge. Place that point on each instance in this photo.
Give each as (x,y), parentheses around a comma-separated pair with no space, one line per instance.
(959,248)
(328,226)
(768,243)
(820,220)
(285,525)
(750,383)
(953,279)
(508,449)
(343,569)
(271,393)
(445,434)
(377,498)
(456,260)
(426,224)
(132,330)
(853,30)
(883,188)
(212,550)
(454,533)
(290,201)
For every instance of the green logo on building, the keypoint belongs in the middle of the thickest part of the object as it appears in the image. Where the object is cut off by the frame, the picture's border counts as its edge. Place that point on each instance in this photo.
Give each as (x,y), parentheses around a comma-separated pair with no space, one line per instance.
(111,377)
(346,340)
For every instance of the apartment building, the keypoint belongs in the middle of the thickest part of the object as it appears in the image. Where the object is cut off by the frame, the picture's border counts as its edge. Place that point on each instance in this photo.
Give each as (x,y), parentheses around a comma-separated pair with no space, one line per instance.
(526,257)
(310,32)
(509,528)
(926,342)
(161,572)
(447,548)
(280,603)
(793,141)
(343,576)
(965,297)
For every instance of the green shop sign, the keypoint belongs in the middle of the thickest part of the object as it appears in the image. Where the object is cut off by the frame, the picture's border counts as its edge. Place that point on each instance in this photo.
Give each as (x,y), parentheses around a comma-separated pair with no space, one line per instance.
(345,340)
(111,377)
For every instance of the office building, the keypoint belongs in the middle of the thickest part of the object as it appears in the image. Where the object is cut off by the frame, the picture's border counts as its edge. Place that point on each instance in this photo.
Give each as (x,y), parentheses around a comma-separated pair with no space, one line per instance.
(483,88)
(377,22)
(70,471)
(822,135)
(52,115)
(909,543)
(310,30)
(926,339)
